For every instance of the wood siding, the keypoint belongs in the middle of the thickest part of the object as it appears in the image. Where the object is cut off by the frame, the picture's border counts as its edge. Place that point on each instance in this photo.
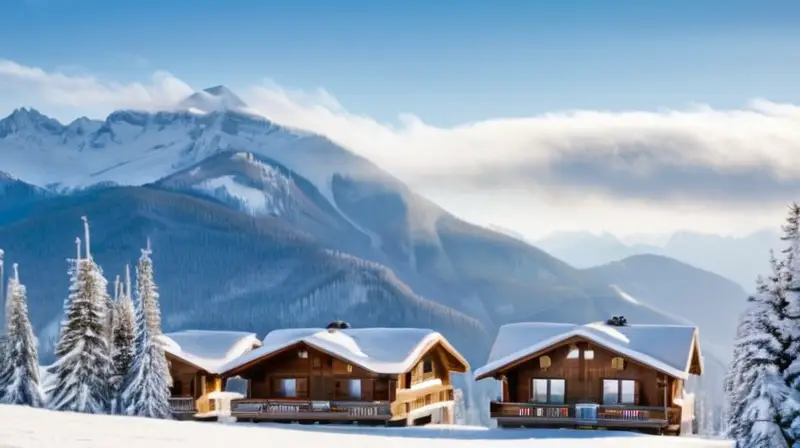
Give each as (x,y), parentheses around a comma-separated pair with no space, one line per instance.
(584,377)
(319,376)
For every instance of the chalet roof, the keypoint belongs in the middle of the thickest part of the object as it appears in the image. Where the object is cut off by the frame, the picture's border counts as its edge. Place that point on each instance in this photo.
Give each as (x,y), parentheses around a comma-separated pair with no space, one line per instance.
(667,348)
(209,350)
(379,350)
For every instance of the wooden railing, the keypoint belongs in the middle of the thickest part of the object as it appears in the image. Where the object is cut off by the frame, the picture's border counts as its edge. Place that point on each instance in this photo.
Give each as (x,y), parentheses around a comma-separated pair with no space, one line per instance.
(409,400)
(182,405)
(498,409)
(632,413)
(586,413)
(309,409)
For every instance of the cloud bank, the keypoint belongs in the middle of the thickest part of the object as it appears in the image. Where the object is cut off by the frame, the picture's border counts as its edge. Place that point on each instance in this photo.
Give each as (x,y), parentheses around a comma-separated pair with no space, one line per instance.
(700,157)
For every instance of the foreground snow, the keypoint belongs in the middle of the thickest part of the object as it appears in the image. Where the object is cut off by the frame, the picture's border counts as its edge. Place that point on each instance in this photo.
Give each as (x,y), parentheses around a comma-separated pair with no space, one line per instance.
(27,428)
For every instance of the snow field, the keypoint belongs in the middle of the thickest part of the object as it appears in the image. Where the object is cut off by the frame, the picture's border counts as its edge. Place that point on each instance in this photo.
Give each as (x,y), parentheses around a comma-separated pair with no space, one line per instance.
(25,427)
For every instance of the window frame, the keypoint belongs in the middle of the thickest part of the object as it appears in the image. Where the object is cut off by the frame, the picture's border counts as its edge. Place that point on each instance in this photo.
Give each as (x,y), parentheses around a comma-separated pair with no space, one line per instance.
(549,391)
(284,390)
(427,365)
(619,386)
(350,394)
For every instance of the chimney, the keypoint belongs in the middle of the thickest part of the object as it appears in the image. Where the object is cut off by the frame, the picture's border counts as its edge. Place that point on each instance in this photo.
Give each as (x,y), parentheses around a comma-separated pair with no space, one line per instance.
(337,325)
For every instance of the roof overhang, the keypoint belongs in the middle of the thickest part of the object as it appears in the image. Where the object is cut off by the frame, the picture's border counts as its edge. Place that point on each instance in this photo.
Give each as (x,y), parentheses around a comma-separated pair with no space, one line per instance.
(524,355)
(461,364)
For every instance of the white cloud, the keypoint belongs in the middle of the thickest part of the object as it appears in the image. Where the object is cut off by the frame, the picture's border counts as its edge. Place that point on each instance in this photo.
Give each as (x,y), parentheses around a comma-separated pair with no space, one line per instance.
(672,168)
(85,92)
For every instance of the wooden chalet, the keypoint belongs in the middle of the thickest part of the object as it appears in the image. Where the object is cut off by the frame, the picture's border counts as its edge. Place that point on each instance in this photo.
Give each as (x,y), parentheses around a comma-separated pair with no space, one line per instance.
(195,358)
(386,376)
(605,375)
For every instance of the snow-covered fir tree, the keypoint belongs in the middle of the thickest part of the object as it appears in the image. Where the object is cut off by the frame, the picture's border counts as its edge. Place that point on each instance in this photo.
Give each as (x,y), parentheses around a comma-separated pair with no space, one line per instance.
(5,313)
(791,285)
(147,387)
(124,337)
(739,379)
(82,370)
(19,373)
(763,405)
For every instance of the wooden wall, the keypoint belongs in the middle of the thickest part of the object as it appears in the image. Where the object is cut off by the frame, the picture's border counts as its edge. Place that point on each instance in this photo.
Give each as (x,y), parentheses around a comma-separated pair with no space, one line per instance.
(436,358)
(187,380)
(584,377)
(320,376)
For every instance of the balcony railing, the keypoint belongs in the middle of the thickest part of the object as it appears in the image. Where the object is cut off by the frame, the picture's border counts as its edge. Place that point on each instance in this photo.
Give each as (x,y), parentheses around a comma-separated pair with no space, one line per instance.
(182,405)
(310,410)
(616,415)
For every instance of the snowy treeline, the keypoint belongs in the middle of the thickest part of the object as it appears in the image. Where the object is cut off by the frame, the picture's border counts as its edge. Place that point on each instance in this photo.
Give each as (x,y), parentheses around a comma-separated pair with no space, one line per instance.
(108,358)
(763,383)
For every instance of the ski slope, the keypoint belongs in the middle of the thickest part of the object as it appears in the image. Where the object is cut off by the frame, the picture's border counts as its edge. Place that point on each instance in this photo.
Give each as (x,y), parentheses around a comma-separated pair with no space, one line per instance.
(33,428)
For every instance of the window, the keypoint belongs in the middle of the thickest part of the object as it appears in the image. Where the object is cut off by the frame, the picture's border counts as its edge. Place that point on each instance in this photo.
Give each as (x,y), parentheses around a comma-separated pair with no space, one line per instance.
(548,391)
(619,392)
(237,384)
(588,354)
(288,387)
(574,352)
(427,365)
(354,389)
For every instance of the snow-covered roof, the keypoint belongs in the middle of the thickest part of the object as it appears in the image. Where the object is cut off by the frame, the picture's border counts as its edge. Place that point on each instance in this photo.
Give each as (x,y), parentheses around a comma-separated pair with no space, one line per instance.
(667,348)
(379,350)
(209,350)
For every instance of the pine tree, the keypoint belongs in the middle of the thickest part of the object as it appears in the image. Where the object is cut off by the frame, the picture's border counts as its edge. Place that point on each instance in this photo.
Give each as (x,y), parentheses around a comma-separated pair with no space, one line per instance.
(147,388)
(83,367)
(124,337)
(5,313)
(763,411)
(736,381)
(791,286)
(19,375)
(756,379)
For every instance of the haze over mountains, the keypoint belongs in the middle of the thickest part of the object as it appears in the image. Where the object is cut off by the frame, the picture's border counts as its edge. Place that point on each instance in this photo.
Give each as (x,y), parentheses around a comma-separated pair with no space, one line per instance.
(256,226)
(738,258)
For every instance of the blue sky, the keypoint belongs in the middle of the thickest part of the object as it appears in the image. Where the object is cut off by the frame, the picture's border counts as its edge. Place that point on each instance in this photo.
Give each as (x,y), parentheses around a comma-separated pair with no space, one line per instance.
(446,61)
(462,99)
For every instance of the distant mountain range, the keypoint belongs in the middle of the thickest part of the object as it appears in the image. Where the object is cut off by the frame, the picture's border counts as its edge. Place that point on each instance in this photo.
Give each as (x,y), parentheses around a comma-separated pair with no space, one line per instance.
(738,258)
(257,226)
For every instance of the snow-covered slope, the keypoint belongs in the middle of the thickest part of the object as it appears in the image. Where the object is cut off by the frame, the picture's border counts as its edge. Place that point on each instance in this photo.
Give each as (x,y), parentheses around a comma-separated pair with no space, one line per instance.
(31,428)
(136,148)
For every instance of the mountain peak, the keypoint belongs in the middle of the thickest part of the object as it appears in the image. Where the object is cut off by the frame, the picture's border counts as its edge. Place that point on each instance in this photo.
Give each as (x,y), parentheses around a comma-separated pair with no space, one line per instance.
(211,99)
(28,118)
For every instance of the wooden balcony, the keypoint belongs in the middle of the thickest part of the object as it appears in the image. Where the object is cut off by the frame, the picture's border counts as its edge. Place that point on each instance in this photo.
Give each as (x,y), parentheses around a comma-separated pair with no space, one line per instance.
(310,411)
(182,406)
(588,415)
(409,400)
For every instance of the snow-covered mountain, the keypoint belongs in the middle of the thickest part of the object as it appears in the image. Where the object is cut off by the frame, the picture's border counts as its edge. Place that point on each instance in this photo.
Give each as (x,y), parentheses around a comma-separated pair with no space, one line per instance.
(740,259)
(275,226)
(219,98)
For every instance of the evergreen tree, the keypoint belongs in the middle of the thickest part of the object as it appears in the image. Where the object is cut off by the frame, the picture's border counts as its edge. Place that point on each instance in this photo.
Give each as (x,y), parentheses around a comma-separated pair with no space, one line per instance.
(5,313)
(124,337)
(736,381)
(147,388)
(762,404)
(19,374)
(763,411)
(83,367)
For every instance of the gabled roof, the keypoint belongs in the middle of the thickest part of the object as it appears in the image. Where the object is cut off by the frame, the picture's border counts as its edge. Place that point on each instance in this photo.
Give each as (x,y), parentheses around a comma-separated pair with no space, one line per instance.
(378,350)
(666,348)
(209,350)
